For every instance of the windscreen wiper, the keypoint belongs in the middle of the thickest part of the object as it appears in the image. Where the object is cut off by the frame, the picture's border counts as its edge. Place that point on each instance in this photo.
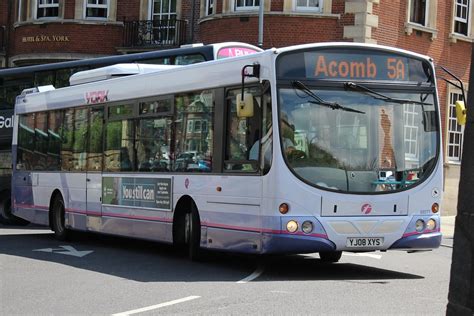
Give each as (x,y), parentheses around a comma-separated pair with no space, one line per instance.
(379,96)
(317,100)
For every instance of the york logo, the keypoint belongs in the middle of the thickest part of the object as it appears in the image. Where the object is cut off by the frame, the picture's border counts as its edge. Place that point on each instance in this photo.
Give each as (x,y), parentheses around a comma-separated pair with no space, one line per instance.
(366,208)
(6,122)
(94,97)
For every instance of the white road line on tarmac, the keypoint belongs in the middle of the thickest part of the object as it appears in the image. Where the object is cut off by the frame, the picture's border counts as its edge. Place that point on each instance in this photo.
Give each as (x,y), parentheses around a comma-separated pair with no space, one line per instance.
(149,308)
(253,276)
(362,255)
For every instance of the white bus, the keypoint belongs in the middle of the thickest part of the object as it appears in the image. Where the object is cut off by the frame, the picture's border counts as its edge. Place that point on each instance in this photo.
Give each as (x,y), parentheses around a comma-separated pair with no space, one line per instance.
(14,80)
(323,148)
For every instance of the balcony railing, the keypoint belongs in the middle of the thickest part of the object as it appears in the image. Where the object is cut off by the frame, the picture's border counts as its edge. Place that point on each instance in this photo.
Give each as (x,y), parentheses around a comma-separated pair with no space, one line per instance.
(170,33)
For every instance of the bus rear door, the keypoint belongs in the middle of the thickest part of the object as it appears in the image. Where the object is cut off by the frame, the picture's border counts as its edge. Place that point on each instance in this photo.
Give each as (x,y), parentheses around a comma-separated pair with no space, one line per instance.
(94,164)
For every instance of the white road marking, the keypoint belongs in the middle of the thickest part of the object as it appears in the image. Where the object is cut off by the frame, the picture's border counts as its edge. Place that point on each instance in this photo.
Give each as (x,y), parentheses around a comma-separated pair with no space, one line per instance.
(253,276)
(66,250)
(370,255)
(149,308)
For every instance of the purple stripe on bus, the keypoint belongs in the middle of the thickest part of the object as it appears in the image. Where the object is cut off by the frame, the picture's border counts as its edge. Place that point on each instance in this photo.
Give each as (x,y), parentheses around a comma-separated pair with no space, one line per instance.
(31,206)
(421,233)
(261,230)
(208,224)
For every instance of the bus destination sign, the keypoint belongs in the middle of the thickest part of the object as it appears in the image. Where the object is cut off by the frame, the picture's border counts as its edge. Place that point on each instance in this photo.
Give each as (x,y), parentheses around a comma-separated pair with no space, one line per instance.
(137,192)
(321,65)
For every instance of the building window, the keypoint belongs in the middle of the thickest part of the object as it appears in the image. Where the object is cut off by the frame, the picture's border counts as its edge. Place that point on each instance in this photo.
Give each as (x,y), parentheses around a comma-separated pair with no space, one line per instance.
(97,9)
(247,4)
(309,5)
(418,11)
(47,9)
(164,14)
(455,131)
(461,17)
(21,10)
(209,7)
(190,126)
(411,117)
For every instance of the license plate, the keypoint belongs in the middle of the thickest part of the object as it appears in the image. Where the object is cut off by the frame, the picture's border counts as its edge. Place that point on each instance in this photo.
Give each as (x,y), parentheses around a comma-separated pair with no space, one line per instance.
(357,242)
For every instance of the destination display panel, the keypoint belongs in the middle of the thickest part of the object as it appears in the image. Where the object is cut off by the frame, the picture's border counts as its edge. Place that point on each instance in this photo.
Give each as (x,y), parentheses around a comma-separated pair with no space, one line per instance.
(353,64)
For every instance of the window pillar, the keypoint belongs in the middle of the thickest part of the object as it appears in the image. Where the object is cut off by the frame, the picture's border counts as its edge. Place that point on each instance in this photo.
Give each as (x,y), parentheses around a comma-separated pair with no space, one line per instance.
(364,21)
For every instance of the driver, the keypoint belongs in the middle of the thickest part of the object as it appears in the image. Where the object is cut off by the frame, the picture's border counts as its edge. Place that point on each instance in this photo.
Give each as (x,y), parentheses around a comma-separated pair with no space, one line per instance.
(288,139)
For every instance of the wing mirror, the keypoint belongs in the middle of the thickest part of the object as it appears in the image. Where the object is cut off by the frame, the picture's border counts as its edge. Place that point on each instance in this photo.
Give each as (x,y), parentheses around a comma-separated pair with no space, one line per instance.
(461,112)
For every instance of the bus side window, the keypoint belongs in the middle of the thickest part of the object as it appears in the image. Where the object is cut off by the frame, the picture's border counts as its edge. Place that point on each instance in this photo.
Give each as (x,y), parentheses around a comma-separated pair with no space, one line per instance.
(26,142)
(152,144)
(55,119)
(41,141)
(194,132)
(79,149)
(243,135)
(94,152)
(266,147)
(73,135)
(119,150)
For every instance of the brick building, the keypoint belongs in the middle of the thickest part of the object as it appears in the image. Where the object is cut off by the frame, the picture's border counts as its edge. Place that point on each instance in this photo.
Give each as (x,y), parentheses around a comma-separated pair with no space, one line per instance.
(40,31)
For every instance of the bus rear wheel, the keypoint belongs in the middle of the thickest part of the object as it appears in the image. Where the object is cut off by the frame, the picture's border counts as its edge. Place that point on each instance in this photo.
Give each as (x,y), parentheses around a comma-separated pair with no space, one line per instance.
(330,256)
(192,233)
(6,216)
(58,219)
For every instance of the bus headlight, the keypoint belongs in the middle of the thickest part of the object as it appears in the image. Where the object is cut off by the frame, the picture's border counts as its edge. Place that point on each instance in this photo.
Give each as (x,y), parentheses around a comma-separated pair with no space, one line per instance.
(420,225)
(431,224)
(307,227)
(292,226)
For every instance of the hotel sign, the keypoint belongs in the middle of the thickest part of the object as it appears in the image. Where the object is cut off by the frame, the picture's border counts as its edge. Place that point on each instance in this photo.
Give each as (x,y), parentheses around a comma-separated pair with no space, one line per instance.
(45,38)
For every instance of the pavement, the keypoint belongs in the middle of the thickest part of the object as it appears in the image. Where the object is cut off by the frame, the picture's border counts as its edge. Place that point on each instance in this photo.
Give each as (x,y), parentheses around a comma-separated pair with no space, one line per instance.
(447,226)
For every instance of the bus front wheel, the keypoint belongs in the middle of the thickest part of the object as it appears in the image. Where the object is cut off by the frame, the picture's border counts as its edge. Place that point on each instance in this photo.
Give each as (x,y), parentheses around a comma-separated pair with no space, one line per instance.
(58,220)
(330,256)
(192,233)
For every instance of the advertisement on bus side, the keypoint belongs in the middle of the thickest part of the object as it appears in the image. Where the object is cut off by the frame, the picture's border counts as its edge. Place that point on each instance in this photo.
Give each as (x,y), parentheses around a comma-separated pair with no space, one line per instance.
(155,193)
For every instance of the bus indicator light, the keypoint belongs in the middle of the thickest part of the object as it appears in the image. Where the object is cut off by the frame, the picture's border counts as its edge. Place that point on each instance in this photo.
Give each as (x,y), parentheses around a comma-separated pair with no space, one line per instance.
(284,208)
(435,208)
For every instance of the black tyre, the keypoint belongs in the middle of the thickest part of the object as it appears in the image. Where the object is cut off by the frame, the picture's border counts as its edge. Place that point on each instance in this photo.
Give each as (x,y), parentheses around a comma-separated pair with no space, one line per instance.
(58,220)
(6,216)
(331,257)
(192,234)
